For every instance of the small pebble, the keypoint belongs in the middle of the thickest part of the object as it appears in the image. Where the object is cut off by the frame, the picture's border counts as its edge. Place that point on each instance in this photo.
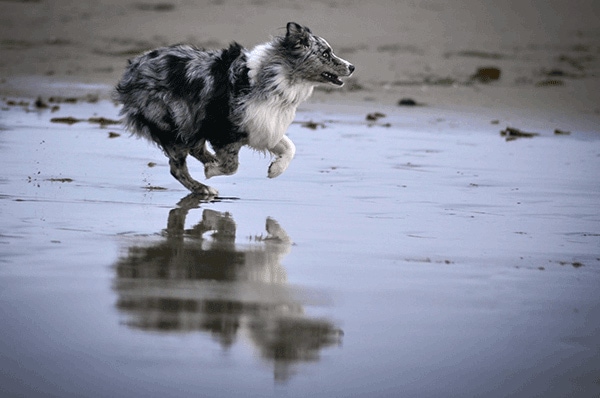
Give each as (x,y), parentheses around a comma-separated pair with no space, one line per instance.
(407,102)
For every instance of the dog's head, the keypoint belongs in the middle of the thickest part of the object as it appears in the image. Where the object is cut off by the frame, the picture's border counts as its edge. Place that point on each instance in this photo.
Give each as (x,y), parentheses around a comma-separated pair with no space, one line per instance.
(313,57)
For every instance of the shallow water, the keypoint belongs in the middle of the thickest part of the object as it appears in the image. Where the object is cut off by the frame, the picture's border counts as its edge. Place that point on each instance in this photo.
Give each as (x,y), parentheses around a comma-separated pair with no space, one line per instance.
(427,257)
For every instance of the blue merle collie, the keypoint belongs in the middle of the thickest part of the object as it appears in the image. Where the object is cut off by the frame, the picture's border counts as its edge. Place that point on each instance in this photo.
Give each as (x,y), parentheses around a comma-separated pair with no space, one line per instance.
(182,96)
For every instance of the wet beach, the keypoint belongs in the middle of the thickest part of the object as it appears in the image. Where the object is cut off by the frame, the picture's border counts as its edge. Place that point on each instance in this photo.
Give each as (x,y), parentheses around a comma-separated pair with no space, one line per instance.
(437,234)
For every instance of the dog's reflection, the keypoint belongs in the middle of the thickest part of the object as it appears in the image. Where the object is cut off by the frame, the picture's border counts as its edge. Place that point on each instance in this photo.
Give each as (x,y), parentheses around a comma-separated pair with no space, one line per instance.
(200,279)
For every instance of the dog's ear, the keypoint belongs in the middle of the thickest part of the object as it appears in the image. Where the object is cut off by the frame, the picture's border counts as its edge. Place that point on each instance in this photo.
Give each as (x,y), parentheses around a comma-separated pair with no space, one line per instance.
(297,34)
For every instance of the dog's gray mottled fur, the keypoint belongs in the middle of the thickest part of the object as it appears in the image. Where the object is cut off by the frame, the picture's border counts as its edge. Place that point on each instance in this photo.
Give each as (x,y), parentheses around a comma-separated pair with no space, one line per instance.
(182,96)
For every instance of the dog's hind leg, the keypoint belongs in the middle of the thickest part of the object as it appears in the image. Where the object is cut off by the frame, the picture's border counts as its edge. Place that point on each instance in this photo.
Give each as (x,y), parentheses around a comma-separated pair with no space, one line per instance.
(226,160)
(284,152)
(180,171)
(202,153)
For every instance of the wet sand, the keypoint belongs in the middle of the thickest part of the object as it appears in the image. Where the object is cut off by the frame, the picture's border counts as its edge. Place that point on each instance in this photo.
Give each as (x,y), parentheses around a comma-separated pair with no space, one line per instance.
(420,253)
(411,250)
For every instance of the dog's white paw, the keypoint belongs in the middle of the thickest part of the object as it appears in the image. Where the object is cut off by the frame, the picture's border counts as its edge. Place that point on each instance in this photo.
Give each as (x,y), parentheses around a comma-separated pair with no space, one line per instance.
(212,191)
(278,166)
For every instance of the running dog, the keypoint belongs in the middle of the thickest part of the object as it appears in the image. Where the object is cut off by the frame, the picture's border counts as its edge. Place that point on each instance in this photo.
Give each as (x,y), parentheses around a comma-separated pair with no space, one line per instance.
(182,97)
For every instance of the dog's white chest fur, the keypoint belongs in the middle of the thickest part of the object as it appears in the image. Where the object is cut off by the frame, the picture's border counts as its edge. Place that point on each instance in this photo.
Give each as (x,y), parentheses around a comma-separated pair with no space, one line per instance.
(267,120)
(266,123)
(268,114)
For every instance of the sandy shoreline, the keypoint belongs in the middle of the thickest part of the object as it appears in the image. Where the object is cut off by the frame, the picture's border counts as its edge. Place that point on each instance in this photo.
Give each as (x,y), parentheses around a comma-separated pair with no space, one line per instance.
(547,51)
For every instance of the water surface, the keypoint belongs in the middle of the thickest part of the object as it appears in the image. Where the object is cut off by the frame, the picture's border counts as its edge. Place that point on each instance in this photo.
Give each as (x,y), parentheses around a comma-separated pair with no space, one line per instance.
(418,255)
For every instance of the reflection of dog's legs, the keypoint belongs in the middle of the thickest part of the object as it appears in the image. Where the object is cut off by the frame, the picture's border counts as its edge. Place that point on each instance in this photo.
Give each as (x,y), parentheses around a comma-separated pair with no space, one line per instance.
(284,152)
(176,220)
(276,232)
(221,223)
(191,201)
(225,161)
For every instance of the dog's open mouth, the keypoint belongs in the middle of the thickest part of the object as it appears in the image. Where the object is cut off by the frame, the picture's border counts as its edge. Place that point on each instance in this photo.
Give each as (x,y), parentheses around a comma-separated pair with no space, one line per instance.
(330,77)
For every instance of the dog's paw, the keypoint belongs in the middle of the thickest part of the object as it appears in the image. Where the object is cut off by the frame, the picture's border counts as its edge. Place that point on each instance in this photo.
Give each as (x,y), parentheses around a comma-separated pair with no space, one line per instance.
(212,191)
(278,166)
(205,190)
(220,169)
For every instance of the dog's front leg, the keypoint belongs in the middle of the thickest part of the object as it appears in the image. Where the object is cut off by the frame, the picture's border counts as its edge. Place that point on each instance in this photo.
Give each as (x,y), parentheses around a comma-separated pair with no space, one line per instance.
(284,152)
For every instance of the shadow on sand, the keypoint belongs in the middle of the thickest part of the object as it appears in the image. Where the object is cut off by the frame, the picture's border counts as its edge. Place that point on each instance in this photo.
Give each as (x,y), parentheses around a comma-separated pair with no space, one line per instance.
(188,282)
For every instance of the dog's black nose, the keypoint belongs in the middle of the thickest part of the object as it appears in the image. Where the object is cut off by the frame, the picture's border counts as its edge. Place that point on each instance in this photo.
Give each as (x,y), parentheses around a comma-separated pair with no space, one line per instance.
(351,68)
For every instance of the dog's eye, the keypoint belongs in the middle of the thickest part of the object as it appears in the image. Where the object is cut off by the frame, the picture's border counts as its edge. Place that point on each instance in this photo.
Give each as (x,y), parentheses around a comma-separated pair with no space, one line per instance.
(325,54)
